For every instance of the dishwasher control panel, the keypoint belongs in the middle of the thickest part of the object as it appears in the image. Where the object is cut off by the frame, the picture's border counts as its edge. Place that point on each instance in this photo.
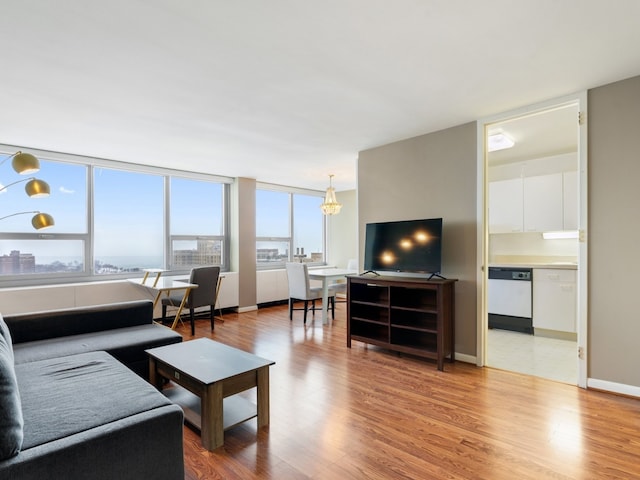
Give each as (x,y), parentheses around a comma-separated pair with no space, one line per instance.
(500,273)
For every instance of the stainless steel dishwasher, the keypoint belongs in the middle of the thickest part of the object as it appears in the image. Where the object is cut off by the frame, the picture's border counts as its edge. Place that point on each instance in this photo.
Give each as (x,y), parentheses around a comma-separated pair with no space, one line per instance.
(510,299)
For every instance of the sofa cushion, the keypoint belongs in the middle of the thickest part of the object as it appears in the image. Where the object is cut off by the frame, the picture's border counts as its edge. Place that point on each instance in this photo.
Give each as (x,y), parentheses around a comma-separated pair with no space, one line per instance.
(68,395)
(11,422)
(125,344)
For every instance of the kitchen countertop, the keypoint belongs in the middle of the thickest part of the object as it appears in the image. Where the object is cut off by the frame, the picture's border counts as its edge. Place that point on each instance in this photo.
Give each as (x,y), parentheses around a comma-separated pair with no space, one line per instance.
(559,265)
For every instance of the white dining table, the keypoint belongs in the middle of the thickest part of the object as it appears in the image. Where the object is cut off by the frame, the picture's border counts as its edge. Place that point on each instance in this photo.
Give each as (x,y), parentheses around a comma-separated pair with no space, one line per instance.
(327,274)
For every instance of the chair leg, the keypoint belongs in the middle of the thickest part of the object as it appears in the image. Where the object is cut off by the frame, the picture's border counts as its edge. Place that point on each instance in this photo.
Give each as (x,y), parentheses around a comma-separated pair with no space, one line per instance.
(212,312)
(290,308)
(164,313)
(193,323)
(333,308)
(306,306)
(313,307)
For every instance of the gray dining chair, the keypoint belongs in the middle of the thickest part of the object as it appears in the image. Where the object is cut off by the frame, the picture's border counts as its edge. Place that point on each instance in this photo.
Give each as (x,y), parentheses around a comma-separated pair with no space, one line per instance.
(300,290)
(205,295)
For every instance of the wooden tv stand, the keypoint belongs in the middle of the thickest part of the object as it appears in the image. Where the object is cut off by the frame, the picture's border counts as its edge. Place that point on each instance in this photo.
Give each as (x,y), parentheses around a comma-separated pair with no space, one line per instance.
(404,314)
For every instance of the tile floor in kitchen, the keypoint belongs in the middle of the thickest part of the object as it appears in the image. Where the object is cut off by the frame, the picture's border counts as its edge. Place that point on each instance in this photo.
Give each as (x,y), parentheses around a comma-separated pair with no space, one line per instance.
(534,355)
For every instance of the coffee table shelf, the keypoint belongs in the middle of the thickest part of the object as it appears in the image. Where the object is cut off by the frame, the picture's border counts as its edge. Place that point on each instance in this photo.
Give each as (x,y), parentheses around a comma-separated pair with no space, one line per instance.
(237,409)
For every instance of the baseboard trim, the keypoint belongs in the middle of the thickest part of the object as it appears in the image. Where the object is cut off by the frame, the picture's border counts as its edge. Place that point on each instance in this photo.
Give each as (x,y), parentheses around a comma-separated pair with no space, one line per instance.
(246,309)
(613,387)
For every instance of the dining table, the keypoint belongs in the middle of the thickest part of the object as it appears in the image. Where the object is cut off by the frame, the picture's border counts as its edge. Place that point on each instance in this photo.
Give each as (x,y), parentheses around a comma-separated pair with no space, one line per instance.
(326,275)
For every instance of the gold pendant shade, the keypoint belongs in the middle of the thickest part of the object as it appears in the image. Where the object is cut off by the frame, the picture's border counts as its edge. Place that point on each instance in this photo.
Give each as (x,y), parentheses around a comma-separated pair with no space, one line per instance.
(37,188)
(42,220)
(25,163)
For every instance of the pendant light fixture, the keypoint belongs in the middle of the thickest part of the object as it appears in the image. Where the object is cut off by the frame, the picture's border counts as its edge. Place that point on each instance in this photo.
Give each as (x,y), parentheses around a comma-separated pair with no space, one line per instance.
(330,206)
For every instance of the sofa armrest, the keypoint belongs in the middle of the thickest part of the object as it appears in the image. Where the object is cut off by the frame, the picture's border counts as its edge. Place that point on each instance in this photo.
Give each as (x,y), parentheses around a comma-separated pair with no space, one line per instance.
(145,445)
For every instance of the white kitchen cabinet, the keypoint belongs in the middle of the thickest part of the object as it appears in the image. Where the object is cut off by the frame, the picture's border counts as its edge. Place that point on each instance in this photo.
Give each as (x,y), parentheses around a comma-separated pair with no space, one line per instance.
(543,209)
(505,206)
(541,203)
(570,200)
(554,299)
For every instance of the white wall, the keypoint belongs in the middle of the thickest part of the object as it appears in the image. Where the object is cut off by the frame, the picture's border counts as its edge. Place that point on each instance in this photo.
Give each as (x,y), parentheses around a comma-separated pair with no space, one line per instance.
(342,231)
(33,299)
(531,245)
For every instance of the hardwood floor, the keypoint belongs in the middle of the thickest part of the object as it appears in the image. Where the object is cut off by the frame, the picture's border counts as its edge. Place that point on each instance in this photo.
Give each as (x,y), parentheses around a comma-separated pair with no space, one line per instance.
(366,413)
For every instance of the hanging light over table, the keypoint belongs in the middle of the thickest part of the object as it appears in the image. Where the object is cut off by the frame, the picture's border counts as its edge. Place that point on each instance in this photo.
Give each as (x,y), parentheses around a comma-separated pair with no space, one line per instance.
(330,206)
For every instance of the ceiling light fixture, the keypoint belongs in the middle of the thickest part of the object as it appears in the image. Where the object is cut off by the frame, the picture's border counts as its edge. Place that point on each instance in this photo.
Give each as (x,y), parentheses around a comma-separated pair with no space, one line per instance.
(499,141)
(330,206)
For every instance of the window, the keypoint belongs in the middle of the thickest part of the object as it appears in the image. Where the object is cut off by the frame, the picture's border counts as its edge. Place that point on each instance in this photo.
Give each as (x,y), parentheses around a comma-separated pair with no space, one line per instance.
(128,221)
(109,221)
(289,226)
(308,223)
(197,224)
(59,249)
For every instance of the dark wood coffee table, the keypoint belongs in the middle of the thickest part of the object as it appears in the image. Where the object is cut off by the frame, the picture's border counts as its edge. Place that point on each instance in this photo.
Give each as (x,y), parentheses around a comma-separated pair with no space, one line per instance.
(208,375)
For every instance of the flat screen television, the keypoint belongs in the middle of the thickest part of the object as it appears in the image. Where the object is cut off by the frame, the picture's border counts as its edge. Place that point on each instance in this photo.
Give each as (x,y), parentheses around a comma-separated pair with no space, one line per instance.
(412,246)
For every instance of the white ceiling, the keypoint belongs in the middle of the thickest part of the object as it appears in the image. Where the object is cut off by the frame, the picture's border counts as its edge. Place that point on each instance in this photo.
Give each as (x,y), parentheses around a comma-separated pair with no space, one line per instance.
(543,134)
(289,91)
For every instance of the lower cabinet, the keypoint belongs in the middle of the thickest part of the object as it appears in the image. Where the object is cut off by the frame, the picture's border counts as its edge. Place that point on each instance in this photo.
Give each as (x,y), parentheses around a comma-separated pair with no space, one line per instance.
(554,299)
(410,315)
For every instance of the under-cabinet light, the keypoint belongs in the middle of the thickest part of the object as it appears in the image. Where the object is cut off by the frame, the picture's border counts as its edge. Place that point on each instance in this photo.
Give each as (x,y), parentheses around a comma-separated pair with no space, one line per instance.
(565,234)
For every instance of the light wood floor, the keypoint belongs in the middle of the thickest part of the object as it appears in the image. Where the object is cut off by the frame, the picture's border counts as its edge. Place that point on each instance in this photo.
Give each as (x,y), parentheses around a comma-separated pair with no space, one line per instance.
(366,413)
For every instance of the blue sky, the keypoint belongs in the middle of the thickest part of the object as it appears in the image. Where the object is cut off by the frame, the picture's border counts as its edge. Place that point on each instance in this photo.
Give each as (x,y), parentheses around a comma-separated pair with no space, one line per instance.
(128,209)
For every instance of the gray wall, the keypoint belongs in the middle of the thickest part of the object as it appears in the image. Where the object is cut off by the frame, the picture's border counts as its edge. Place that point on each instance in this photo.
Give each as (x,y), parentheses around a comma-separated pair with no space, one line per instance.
(435,175)
(428,177)
(614,231)
(243,233)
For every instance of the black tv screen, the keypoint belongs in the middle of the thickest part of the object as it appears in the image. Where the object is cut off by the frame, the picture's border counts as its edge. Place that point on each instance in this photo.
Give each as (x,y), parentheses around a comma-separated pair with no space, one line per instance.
(405,246)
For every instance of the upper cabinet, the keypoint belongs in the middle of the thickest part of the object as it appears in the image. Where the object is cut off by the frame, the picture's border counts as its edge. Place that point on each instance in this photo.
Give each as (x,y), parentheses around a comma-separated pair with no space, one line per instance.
(505,206)
(542,203)
(534,204)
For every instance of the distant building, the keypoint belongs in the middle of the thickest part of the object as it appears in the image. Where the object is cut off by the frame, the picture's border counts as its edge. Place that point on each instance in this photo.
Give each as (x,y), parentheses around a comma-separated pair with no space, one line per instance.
(17,263)
(207,252)
(270,255)
(316,257)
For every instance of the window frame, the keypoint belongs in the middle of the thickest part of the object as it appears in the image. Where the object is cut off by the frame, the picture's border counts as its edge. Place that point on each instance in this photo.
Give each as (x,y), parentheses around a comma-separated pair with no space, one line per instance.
(88,274)
(291,191)
(225,260)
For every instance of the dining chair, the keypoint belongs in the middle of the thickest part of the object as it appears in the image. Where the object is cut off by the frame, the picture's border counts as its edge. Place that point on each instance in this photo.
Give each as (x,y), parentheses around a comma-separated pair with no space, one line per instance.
(300,290)
(205,295)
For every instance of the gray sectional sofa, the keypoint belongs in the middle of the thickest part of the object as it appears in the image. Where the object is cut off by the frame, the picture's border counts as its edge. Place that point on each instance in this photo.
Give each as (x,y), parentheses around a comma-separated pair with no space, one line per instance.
(71,405)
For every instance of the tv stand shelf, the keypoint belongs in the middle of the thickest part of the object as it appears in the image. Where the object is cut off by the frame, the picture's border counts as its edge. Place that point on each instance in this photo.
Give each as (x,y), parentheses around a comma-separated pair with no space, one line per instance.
(404,314)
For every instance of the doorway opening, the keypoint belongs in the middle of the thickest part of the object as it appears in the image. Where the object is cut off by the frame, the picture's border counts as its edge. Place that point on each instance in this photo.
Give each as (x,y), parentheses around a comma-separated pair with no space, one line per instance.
(532,320)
